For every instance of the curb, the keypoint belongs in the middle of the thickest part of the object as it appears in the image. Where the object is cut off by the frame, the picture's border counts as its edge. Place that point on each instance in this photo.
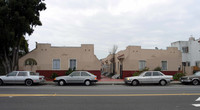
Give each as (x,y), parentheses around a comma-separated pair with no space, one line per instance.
(111,83)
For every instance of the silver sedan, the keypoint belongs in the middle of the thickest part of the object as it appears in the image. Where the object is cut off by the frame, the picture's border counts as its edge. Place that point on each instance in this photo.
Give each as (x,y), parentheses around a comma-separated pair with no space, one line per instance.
(77,77)
(149,77)
(21,77)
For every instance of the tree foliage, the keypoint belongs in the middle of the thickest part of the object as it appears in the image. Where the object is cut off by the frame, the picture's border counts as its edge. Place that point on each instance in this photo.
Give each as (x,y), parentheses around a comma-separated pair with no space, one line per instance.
(17,19)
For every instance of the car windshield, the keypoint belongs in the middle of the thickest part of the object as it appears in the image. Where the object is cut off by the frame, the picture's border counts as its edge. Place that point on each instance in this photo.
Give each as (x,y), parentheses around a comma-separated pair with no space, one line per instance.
(141,74)
(197,73)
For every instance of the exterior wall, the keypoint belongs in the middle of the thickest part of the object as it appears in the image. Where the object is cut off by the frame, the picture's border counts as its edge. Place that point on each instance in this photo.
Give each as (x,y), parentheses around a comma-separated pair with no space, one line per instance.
(193,54)
(45,53)
(129,59)
(153,58)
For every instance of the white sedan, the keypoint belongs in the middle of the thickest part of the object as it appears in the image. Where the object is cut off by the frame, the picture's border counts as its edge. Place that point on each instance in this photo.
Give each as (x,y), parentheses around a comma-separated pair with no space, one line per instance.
(149,77)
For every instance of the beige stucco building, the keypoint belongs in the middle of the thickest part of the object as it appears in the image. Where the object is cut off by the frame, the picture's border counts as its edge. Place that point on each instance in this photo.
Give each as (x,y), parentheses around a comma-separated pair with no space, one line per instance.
(134,58)
(47,57)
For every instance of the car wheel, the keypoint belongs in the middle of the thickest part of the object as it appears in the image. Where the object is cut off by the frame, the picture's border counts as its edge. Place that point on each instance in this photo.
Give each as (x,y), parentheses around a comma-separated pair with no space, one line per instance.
(87,82)
(61,83)
(195,82)
(135,83)
(1,82)
(163,83)
(28,82)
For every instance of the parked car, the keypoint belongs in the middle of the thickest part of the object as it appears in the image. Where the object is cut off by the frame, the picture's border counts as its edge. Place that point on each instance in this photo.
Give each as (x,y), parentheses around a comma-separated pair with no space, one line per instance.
(149,77)
(21,77)
(194,79)
(76,77)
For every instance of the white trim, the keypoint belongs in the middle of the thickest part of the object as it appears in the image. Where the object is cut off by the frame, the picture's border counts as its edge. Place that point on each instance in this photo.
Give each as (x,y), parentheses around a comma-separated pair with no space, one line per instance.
(196,105)
(198,99)
(52,63)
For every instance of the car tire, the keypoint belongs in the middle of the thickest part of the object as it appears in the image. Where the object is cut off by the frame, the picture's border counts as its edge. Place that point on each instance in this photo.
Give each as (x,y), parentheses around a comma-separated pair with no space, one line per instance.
(135,83)
(61,83)
(87,83)
(1,82)
(195,82)
(163,83)
(28,82)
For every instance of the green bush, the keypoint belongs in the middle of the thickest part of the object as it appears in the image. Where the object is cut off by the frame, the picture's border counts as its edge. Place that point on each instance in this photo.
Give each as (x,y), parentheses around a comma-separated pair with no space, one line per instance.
(157,69)
(54,75)
(69,71)
(177,76)
(136,73)
(139,72)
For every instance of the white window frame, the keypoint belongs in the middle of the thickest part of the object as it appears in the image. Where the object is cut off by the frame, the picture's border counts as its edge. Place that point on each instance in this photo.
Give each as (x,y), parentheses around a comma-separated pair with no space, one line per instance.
(69,63)
(53,64)
(142,61)
(162,66)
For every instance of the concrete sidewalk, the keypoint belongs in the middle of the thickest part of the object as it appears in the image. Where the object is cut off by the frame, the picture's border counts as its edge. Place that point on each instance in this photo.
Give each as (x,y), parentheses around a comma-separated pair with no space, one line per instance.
(111,82)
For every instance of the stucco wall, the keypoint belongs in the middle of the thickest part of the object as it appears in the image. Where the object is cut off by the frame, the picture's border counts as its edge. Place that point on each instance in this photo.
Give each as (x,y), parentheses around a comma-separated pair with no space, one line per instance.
(133,54)
(45,53)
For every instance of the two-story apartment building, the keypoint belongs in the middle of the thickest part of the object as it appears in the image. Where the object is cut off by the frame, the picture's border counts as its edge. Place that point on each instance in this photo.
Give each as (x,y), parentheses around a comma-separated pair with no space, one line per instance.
(47,59)
(134,58)
(190,54)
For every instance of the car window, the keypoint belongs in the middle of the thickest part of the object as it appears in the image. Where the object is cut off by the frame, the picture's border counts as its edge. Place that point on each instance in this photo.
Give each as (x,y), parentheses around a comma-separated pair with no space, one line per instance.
(84,74)
(197,73)
(32,73)
(22,74)
(14,73)
(75,74)
(147,74)
(157,74)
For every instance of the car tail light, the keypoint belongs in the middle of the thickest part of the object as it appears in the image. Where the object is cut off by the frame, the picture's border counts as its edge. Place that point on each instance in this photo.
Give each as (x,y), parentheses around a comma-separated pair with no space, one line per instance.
(95,78)
(40,78)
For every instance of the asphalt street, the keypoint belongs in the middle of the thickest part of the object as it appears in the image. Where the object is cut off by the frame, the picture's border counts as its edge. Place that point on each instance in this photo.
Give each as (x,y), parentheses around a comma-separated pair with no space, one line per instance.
(98,97)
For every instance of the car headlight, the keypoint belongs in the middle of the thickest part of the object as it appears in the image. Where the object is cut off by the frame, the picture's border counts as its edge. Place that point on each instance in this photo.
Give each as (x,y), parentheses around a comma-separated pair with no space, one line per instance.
(127,78)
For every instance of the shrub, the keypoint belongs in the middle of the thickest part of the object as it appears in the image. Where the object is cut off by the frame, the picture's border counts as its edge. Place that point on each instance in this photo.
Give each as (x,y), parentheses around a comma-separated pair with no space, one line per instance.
(54,75)
(157,69)
(69,71)
(136,73)
(139,72)
(177,76)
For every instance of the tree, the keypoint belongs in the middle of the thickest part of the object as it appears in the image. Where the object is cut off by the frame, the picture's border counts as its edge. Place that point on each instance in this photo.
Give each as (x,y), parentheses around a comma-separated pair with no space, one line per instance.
(17,19)
(113,52)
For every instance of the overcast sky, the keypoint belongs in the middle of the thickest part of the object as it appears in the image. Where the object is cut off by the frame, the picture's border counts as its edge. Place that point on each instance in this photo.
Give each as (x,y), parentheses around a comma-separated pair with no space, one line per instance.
(104,23)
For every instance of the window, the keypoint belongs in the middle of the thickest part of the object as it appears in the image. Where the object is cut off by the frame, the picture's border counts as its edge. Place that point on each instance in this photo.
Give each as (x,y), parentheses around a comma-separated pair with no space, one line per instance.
(148,74)
(157,74)
(75,74)
(30,61)
(22,74)
(164,65)
(32,73)
(84,74)
(56,64)
(142,64)
(185,49)
(198,63)
(73,64)
(14,73)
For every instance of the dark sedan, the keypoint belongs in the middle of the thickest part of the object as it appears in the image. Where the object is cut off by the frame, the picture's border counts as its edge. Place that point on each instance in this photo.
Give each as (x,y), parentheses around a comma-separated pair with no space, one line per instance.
(194,79)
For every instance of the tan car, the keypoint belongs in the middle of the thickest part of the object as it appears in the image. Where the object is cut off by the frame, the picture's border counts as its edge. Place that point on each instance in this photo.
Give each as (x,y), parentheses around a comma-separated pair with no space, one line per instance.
(194,79)
(149,77)
(76,77)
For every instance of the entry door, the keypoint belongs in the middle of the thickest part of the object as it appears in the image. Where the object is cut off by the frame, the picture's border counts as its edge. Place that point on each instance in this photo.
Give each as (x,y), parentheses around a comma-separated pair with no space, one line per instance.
(147,78)
(10,78)
(74,77)
(21,76)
